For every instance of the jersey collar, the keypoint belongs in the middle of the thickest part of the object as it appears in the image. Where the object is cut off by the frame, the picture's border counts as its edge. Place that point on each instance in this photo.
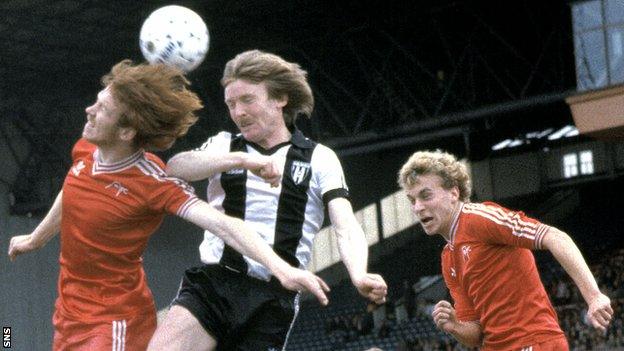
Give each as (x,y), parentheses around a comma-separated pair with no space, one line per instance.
(451,240)
(99,167)
(297,138)
(300,140)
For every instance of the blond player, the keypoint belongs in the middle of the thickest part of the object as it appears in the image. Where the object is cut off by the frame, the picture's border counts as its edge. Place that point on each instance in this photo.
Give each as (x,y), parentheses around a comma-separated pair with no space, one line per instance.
(487,264)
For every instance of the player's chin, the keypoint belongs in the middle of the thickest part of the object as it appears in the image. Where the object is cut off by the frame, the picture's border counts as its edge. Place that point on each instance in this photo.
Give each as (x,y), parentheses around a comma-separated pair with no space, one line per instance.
(428,230)
(249,135)
(87,136)
(88,133)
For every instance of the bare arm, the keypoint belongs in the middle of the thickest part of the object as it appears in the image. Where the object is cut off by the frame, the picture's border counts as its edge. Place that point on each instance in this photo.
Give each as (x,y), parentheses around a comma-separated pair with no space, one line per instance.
(197,165)
(568,255)
(467,333)
(49,226)
(354,251)
(237,234)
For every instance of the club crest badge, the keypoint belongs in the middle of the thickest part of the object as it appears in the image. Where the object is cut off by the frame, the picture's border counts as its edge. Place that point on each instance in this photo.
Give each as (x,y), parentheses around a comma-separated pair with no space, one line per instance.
(299,171)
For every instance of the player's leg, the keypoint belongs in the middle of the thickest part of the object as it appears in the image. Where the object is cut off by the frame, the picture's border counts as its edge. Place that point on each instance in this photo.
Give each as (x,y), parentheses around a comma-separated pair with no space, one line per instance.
(134,333)
(181,331)
(195,320)
(270,326)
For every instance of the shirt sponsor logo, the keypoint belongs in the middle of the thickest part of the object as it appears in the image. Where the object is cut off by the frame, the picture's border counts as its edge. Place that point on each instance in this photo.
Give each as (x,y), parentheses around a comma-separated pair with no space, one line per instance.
(299,171)
(236,171)
(77,168)
(120,188)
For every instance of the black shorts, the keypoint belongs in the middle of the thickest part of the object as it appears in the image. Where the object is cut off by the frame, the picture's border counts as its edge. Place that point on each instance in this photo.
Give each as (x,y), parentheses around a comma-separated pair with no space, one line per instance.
(240,312)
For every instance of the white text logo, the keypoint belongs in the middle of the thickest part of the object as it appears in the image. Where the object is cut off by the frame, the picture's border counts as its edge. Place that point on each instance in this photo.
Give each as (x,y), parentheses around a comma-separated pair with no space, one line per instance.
(466,252)
(120,188)
(77,168)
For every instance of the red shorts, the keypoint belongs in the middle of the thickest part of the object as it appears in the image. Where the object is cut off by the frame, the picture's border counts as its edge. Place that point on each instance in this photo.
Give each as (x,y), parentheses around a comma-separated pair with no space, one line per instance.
(558,344)
(119,335)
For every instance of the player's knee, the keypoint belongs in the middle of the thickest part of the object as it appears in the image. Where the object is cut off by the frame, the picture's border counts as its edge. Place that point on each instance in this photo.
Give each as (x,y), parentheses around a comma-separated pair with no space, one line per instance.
(157,343)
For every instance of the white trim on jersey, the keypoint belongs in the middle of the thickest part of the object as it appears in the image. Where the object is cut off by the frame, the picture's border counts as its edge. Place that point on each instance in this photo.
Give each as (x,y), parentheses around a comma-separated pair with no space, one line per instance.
(119,335)
(99,167)
(454,225)
(152,169)
(292,323)
(511,220)
(186,206)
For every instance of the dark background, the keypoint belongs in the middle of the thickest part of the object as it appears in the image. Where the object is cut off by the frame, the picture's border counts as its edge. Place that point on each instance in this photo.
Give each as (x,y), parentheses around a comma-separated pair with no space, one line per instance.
(389,77)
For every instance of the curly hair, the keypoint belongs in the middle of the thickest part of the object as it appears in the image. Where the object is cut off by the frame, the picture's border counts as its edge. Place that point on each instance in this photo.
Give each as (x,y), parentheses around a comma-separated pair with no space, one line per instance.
(445,165)
(155,100)
(282,78)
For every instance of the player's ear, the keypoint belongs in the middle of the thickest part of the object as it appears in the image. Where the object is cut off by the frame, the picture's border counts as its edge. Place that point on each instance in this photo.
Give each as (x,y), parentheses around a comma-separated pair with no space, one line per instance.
(455,192)
(127,133)
(282,100)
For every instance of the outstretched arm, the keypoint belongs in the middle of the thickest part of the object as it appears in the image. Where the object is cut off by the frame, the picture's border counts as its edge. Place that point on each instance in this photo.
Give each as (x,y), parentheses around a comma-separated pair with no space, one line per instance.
(568,255)
(198,165)
(354,251)
(46,230)
(237,234)
(467,333)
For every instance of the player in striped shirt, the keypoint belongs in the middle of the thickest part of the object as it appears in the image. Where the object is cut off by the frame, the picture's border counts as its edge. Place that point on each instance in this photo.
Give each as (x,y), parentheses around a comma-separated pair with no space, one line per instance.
(499,300)
(113,199)
(280,183)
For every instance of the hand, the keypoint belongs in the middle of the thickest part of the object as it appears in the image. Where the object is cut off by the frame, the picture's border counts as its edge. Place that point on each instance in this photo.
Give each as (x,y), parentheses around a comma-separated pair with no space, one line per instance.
(373,287)
(444,316)
(599,312)
(20,244)
(264,167)
(296,279)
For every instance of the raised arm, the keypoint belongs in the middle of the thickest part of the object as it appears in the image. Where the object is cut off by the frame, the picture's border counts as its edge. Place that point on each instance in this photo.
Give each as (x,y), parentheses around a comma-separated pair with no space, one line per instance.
(354,251)
(198,165)
(568,255)
(201,164)
(237,234)
(46,230)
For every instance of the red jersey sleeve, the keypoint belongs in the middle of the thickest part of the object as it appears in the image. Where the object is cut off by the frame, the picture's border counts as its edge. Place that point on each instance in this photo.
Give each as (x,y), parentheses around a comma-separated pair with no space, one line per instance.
(464,309)
(167,194)
(498,225)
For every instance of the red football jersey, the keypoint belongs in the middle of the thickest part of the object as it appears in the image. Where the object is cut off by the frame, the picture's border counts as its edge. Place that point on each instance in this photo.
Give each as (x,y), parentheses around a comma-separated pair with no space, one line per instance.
(491,274)
(109,213)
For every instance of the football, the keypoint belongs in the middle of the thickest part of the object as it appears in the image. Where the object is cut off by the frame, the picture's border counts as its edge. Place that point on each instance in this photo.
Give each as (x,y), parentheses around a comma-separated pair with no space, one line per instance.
(175,35)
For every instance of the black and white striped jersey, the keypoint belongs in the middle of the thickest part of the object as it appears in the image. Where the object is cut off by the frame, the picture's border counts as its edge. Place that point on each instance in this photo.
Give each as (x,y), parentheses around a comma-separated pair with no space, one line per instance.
(287,217)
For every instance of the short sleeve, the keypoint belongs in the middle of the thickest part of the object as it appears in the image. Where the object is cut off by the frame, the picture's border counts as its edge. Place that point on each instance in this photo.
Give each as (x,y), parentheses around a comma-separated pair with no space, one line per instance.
(166,194)
(464,309)
(501,226)
(328,173)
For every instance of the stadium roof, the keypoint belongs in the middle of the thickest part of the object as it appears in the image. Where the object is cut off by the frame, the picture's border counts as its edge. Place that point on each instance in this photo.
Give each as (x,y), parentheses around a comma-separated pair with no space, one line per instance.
(384,74)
